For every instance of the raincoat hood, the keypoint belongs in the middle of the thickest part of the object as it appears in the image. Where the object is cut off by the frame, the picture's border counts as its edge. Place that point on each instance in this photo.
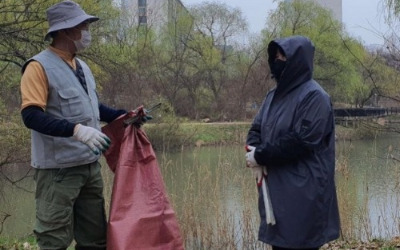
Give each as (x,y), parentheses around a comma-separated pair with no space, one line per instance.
(299,52)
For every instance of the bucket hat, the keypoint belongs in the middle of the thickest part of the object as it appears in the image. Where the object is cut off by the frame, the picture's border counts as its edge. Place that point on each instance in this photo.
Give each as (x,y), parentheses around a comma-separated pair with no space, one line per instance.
(65,15)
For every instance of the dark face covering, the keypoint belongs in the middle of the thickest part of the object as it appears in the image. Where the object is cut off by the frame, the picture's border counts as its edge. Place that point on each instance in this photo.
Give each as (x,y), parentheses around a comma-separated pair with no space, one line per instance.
(277,67)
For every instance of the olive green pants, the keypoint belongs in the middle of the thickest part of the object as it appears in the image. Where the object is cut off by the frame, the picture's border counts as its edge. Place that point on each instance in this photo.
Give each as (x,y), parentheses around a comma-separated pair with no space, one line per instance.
(70,205)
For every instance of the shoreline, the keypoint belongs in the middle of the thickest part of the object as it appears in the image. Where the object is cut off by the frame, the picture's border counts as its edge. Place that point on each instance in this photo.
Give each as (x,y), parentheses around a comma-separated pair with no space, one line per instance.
(197,134)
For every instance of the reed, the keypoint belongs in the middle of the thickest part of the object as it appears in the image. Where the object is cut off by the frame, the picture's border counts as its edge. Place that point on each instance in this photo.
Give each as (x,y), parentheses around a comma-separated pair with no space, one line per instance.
(368,215)
(215,198)
(211,214)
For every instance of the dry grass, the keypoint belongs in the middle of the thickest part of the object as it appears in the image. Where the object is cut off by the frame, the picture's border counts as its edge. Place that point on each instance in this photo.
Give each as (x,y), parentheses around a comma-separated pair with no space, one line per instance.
(212,215)
(215,201)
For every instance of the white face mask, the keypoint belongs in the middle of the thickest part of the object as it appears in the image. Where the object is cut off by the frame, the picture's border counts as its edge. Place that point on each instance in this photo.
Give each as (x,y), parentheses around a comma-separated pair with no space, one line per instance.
(84,42)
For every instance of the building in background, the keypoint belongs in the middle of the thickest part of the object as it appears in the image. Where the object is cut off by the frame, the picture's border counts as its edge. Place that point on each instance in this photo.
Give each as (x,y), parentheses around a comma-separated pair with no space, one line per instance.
(151,13)
(333,5)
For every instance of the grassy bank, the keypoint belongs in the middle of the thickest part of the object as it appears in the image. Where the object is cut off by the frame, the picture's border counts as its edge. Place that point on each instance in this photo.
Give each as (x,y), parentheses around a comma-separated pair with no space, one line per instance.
(177,135)
(169,136)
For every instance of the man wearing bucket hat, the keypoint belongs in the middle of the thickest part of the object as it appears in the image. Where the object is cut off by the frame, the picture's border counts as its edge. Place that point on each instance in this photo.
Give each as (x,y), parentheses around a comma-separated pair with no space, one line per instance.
(60,106)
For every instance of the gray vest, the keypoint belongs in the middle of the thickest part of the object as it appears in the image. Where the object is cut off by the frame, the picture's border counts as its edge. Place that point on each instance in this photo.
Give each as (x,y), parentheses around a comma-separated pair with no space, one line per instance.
(68,100)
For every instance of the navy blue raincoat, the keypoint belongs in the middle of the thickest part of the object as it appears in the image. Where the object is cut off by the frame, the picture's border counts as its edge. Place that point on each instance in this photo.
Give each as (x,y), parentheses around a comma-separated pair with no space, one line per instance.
(294,137)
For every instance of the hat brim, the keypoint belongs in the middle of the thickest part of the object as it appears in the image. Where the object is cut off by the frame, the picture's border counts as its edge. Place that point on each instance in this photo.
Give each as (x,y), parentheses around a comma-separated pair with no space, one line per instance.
(70,24)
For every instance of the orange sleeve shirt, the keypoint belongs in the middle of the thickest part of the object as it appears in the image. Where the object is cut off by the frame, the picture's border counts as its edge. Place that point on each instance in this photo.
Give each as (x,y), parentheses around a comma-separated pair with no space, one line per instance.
(34,82)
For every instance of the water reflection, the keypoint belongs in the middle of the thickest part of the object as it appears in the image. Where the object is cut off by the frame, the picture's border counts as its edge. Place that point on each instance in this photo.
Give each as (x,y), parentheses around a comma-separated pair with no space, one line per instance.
(368,187)
(17,201)
(209,186)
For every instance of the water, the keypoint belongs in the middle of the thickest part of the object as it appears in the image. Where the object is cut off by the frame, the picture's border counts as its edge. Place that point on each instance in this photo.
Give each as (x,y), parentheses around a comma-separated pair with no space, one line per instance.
(370,180)
(212,181)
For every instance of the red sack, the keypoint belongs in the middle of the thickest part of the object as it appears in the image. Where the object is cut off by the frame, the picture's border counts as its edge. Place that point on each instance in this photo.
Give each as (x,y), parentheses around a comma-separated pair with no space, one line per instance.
(141,216)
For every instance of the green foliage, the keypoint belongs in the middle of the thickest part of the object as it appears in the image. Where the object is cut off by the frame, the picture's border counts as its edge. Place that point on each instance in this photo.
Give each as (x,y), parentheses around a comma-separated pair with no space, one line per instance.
(193,59)
(26,243)
(22,28)
(164,130)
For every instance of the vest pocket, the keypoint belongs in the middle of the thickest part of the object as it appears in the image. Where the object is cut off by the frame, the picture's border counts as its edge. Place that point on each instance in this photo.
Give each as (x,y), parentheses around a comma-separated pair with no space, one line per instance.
(68,150)
(70,102)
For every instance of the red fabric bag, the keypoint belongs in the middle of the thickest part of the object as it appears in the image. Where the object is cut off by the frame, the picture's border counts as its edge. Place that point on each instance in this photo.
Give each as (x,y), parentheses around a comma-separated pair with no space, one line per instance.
(141,216)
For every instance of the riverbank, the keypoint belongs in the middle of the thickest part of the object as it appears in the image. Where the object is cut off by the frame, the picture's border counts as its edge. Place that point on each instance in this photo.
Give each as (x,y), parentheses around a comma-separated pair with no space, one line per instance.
(169,136)
(191,134)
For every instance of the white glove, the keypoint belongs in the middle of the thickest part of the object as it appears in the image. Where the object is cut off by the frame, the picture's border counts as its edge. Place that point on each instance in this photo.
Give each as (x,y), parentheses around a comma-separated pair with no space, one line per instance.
(251,162)
(95,139)
(258,174)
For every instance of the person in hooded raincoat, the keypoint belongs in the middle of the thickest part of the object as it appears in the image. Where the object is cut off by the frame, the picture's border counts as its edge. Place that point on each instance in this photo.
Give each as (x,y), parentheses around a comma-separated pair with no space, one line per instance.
(293,137)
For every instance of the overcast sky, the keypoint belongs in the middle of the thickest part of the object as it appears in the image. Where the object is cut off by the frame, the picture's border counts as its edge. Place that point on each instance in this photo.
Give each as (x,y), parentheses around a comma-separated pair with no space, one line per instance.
(362,18)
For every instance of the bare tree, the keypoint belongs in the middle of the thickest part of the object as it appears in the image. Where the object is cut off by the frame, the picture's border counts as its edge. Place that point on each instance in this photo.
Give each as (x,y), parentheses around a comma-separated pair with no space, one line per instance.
(217,26)
(21,29)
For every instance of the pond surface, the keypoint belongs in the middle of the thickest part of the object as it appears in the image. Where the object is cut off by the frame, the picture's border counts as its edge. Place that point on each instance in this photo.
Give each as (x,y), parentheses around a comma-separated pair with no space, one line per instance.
(212,184)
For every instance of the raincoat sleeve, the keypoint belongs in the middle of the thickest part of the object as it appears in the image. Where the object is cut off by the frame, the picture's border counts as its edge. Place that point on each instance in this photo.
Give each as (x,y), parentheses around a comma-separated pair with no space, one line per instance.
(313,122)
(254,134)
